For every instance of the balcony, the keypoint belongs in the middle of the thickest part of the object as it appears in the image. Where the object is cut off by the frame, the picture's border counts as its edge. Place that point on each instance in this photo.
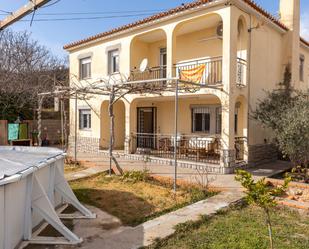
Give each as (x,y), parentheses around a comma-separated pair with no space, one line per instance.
(151,73)
(204,71)
(241,76)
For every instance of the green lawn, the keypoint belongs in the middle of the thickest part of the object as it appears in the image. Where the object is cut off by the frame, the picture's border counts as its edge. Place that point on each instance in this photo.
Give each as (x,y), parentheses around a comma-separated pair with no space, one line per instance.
(134,201)
(241,229)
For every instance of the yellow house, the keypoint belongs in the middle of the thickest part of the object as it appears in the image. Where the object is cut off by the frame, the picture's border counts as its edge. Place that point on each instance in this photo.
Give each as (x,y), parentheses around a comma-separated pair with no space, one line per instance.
(233,48)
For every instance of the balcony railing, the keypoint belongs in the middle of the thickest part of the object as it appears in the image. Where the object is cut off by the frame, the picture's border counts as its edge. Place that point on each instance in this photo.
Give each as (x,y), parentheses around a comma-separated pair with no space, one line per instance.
(206,71)
(150,73)
(241,79)
(192,148)
(210,70)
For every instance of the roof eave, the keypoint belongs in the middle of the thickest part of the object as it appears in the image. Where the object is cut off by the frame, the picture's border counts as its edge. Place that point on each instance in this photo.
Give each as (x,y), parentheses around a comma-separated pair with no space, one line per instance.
(72,47)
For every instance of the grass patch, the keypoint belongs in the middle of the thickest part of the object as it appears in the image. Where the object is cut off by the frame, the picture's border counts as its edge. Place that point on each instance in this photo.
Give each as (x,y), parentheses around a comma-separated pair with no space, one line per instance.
(135,197)
(241,228)
(70,168)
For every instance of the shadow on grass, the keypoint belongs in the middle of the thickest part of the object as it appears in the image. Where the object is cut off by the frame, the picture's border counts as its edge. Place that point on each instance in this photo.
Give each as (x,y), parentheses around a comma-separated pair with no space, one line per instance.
(129,208)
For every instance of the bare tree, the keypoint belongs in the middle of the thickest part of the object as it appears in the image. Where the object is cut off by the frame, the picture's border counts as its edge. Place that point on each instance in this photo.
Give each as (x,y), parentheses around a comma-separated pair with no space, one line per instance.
(26,68)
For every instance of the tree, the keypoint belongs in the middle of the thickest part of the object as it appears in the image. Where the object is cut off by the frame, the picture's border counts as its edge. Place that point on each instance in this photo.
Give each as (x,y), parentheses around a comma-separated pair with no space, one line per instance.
(285,111)
(26,68)
(262,194)
(275,103)
(293,133)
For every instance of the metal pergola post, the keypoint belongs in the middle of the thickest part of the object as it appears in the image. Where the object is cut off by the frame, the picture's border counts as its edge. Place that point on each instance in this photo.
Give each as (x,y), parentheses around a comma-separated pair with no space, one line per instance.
(41,98)
(176,135)
(75,137)
(62,125)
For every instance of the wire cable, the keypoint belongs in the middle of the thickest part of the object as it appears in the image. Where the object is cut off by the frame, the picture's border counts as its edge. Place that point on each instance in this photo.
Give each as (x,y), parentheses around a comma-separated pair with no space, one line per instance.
(5,12)
(51,4)
(85,18)
(93,13)
(98,13)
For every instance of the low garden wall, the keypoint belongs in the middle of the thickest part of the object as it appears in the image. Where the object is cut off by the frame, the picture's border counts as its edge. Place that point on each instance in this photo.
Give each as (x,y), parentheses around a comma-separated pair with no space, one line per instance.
(262,153)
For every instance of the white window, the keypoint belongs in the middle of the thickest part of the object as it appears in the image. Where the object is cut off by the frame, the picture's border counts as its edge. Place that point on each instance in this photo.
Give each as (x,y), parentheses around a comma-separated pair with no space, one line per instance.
(84,119)
(201,119)
(85,68)
(301,67)
(113,61)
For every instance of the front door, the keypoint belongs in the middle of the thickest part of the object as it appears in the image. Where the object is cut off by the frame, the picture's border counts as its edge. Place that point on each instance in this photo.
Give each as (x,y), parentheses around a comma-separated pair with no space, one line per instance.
(146,127)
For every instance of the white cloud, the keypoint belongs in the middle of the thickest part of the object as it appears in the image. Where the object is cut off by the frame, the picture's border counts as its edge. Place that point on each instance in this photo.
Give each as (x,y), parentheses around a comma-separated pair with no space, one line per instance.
(304,25)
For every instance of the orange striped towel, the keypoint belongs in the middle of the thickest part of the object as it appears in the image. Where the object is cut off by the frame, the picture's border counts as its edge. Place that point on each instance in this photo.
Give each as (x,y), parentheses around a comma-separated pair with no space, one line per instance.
(194,74)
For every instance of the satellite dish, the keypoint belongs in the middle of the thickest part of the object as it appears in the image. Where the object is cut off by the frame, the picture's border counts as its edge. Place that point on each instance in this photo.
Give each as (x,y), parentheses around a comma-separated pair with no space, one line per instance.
(220,29)
(143,65)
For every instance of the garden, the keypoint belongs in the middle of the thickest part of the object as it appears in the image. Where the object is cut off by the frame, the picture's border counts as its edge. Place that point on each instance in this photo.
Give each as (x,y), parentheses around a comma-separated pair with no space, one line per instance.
(136,196)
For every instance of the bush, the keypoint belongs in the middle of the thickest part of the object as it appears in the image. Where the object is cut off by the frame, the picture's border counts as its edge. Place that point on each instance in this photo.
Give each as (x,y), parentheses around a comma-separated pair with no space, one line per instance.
(135,176)
(286,112)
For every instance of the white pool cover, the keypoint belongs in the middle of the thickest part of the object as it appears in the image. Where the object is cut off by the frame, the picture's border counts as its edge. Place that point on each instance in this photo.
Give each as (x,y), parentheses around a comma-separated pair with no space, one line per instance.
(32,188)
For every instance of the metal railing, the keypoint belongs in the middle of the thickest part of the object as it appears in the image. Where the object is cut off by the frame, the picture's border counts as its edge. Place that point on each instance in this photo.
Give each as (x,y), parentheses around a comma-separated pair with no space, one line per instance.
(149,74)
(241,79)
(240,148)
(212,74)
(191,148)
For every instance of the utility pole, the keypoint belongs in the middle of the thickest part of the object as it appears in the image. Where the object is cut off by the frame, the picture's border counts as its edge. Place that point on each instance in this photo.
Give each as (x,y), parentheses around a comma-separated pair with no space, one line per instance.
(22,12)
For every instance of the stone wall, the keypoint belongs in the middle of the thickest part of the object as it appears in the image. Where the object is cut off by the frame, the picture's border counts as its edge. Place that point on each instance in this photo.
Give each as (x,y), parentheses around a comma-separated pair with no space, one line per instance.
(262,153)
(84,145)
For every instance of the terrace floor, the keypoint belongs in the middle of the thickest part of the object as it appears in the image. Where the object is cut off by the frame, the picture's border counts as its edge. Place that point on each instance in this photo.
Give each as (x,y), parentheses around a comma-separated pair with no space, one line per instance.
(98,163)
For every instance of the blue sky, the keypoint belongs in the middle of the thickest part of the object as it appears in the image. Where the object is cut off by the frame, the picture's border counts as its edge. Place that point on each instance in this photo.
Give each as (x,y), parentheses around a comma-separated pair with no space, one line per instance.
(54,34)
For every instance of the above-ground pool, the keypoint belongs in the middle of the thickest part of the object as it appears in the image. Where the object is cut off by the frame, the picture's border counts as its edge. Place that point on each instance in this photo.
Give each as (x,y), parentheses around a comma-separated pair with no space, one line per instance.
(32,188)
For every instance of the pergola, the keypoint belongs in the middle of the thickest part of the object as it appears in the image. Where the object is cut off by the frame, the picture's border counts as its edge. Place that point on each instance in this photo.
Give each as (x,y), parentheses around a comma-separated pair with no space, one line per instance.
(117,87)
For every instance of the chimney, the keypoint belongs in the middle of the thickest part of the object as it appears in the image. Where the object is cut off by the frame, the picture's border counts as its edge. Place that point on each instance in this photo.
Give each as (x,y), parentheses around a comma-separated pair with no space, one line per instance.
(290,17)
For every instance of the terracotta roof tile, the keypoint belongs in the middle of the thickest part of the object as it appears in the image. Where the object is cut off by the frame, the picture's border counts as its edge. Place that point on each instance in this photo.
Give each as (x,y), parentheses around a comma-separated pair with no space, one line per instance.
(178,9)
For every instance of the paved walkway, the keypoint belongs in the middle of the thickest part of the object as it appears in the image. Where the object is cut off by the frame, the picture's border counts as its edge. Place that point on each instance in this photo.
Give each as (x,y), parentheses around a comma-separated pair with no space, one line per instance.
(218,181)
(106,232)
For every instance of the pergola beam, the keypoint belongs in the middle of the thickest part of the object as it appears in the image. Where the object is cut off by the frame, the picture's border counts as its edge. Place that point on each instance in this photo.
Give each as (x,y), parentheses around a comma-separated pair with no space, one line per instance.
(117,90)
(22,12)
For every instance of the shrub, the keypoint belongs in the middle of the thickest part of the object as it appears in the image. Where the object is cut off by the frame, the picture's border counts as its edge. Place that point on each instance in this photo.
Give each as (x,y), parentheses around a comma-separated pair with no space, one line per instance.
(135,176)
(262,194)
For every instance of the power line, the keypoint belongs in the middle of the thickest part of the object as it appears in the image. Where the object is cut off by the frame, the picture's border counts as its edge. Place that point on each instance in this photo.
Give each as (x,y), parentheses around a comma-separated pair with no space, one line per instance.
(85,18)
(93,13)
(5,12)
(51,4)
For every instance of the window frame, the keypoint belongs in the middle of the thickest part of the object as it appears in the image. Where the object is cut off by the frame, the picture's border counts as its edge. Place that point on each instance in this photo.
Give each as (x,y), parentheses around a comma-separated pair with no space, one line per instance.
(218,119)
(81,64)
(82,112)
(206,116)
(113,68)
